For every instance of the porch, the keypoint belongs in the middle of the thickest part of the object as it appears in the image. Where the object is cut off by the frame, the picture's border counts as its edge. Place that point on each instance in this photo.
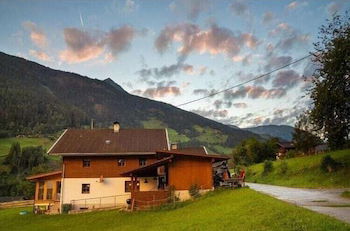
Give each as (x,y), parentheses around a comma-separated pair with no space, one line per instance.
(149,185)
(47,192)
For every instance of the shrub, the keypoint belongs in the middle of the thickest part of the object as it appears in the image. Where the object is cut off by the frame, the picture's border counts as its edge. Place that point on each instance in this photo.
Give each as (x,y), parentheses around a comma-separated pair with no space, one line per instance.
(268,167)
(194,191)
(291,154)
(66,208)
(283,167)
(328,164)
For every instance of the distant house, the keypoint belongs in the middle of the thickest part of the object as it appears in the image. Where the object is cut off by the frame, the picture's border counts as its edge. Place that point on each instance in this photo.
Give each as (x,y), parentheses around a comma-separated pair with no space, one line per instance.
(283,148)
(321,148)
(110,167)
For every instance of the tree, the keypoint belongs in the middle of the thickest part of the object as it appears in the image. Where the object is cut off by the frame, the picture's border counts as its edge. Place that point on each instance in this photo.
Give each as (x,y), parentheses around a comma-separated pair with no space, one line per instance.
(14,156)
(331,86)
(303,137)
(252,151)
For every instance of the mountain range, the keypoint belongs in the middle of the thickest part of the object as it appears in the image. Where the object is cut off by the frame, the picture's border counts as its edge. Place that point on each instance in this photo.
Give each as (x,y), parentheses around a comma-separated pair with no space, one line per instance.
(35,99)
(283,132)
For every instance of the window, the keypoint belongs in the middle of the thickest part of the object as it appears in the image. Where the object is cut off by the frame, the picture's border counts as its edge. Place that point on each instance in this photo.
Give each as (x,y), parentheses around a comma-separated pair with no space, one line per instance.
(85,188)
(49,190)
(142,162)
(58,190)
(58,186)
(128,186)
(41,190)
(86,163)
(121,162)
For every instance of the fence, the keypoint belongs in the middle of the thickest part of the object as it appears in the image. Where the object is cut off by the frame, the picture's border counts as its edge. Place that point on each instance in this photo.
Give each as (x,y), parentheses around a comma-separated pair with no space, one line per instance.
(100,202)
(149,199)
(16,204)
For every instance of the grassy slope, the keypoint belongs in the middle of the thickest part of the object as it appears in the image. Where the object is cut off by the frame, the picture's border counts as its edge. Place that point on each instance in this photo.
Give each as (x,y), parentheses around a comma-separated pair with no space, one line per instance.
(242,209)
(5,143)
(305,172)
(213,139)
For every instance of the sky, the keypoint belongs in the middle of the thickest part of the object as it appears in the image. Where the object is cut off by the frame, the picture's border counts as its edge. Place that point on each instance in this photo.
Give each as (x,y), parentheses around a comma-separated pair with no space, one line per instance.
(179,50)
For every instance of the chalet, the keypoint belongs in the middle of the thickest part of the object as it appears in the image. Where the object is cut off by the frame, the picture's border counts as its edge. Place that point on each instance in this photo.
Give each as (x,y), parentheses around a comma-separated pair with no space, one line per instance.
(283,148)
(112,167)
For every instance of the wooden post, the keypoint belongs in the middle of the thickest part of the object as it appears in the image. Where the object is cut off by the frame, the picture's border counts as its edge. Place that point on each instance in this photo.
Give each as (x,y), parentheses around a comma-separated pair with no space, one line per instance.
(36,197)
(132,204)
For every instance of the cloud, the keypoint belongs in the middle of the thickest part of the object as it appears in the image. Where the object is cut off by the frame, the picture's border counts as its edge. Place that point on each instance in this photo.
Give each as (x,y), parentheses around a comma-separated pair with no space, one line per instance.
(218,104)
(286,79)
(268,17)
(171,70)
(160,92)
(211,113)
(119,40)
(255,92)
(215,40)
(162,89)
(192,8)
(292,5)
(40,55)
(204,92)
(277,61)
(288,37)
(239,8)
(165,71)
(86,45)
(129,6)
(81,46)
(37,36)
(293,40)
(281,28)
(239,105)
(333,8)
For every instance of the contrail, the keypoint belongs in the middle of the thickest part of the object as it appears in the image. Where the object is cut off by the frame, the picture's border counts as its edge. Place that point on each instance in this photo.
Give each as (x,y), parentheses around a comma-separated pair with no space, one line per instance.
(81,20)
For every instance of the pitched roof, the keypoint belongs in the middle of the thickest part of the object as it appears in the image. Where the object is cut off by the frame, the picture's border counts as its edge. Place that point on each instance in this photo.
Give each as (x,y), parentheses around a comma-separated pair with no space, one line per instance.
(198,150)
(286,144)
(108,142)
(42,175)
(148,167)
(178,152)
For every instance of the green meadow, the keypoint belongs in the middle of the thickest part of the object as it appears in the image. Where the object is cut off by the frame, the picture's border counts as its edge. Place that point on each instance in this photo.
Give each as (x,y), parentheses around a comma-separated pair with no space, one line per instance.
(305,172)
(5,143)
(241,209)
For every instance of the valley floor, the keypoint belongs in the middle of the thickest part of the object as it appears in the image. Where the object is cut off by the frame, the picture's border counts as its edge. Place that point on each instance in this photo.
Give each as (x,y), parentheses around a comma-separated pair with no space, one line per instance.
(242,209)
(326,201)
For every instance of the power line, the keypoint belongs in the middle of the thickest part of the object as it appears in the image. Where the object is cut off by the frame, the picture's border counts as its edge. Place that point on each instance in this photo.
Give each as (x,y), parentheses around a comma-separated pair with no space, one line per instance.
(248,81)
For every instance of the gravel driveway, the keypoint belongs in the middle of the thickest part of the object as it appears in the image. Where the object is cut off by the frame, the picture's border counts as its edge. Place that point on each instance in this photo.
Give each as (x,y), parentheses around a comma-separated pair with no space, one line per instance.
(326,201)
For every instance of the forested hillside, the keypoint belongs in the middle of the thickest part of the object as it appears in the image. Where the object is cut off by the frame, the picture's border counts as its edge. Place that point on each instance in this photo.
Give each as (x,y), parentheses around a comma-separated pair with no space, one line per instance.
(35,99)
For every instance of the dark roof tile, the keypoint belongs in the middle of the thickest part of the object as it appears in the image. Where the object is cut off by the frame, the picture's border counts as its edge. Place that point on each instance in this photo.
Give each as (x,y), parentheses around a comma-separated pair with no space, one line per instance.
(105,141)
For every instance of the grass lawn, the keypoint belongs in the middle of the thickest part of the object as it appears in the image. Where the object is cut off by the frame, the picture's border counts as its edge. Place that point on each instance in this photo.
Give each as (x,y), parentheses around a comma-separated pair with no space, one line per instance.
(305,172)
(242,209)
(5,143)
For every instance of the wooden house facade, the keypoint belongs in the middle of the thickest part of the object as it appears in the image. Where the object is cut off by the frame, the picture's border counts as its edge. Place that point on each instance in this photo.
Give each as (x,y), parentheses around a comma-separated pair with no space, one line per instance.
(112,167)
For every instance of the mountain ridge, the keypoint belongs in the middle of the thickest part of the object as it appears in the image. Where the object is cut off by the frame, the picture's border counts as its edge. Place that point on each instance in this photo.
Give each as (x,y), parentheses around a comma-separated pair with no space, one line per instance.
(283,132)
(39,99)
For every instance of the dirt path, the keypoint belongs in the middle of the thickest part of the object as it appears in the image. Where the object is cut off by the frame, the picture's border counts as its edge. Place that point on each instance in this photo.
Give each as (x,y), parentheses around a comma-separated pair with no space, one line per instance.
(326,201)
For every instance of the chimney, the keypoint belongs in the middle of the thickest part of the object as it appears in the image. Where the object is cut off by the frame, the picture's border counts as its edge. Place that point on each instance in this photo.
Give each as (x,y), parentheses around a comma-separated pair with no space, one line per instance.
(173,146)
(116,126)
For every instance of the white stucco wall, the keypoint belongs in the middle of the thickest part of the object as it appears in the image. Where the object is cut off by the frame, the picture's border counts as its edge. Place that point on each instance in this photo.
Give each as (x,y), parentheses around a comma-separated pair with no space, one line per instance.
(113,188)
(110,187)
